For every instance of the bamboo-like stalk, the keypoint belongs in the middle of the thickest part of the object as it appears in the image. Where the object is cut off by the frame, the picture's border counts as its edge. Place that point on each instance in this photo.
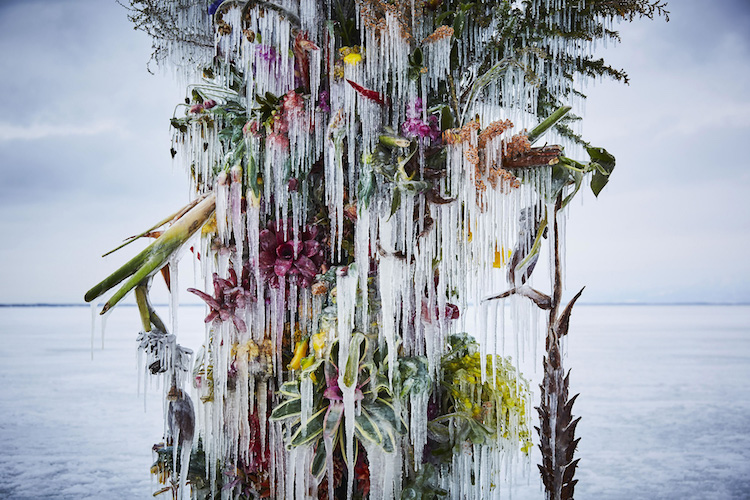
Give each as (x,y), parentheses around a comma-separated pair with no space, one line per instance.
(146,310)
(153,258)
(169,218)
(548,123)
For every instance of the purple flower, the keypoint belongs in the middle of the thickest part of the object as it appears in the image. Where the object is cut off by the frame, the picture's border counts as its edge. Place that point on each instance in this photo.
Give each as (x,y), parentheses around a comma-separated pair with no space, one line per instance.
(267,53)
(209,103)
(323,103)
(415,127)
(297,260)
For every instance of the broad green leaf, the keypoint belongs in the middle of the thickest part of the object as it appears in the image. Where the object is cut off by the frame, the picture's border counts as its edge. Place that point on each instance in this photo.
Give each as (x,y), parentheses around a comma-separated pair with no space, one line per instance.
(606,161)
(383,410)
(287,409)
(367,428)
(318,467)
(353,360)
(290,389)
(313,427)
(332,419)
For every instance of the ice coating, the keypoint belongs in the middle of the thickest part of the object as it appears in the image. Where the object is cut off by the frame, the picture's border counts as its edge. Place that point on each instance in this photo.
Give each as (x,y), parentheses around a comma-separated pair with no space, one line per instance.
(374,184)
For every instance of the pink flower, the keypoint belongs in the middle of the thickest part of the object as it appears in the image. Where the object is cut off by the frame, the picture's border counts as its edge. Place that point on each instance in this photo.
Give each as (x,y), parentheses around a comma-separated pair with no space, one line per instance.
(415,127)
(209,103)
(451,312)
(299,261)
(293,103)
(281,141)
(251,128)
(196,108)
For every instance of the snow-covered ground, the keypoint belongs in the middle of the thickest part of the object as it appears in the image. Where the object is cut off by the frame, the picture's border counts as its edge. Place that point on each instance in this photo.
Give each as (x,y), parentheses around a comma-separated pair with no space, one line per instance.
(665,401)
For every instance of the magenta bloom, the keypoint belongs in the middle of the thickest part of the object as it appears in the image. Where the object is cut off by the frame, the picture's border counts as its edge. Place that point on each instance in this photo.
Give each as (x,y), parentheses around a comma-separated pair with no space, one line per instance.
(230,298)
(297,261)
(415,127)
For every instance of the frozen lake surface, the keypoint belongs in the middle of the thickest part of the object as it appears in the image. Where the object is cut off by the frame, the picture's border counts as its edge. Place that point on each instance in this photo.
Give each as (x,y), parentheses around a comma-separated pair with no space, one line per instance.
(665,401)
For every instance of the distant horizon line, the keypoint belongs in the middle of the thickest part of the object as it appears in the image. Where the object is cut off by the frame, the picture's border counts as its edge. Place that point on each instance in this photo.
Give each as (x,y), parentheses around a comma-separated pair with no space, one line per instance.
(196,304)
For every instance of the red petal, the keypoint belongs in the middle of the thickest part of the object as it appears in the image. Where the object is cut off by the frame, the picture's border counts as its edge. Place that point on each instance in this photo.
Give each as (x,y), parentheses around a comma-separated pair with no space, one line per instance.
(281,267)
(267,240)
(370,94)
(306,267)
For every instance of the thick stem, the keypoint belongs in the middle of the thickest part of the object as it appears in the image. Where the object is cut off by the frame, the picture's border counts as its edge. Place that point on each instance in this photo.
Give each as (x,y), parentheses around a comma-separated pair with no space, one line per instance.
(557,426)
(142,300)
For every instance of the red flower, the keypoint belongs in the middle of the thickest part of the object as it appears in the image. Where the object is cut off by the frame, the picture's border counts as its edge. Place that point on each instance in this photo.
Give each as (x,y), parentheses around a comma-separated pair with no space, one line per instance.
(298,261)
(230,298)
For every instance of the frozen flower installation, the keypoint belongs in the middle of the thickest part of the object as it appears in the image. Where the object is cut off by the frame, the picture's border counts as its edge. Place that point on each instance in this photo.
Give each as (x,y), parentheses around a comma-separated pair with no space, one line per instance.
(364,174)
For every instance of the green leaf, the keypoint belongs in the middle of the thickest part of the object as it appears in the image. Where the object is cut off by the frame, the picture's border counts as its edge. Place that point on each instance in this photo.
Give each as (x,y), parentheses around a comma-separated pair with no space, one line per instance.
(367,184)
(578,179)
(395,202)
(290,389)
(332,420)
(353,360)
(459,21)
(314,428)
(384,411)
(367,429)
(287,409)
(606,161)
(318,467)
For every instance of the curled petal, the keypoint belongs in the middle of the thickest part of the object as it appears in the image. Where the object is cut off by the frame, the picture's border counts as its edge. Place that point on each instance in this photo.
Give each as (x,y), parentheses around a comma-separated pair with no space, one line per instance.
(232,277)
(306,267)
(224,314)
(239,323)
(298,248)
(267,240)
(282,266)
(312,247)
(333,393)
(266,260)
(285,251)
(212,303)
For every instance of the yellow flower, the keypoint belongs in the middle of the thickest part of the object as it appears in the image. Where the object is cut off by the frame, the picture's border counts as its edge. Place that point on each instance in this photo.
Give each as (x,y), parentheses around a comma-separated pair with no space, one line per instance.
(300,351)
(319,343)
(501,257)
(352,58)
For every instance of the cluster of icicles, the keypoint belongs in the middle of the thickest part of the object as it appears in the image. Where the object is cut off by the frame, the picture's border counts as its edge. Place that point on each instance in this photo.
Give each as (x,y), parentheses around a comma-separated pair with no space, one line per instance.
(447,256)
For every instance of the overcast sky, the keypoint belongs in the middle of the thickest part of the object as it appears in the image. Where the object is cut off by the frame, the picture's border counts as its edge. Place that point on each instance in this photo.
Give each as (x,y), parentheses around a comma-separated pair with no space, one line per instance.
(84,154)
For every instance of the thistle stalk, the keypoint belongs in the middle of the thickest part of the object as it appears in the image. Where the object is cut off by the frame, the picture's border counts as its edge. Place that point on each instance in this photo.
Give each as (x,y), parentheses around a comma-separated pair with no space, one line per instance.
(556,424)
